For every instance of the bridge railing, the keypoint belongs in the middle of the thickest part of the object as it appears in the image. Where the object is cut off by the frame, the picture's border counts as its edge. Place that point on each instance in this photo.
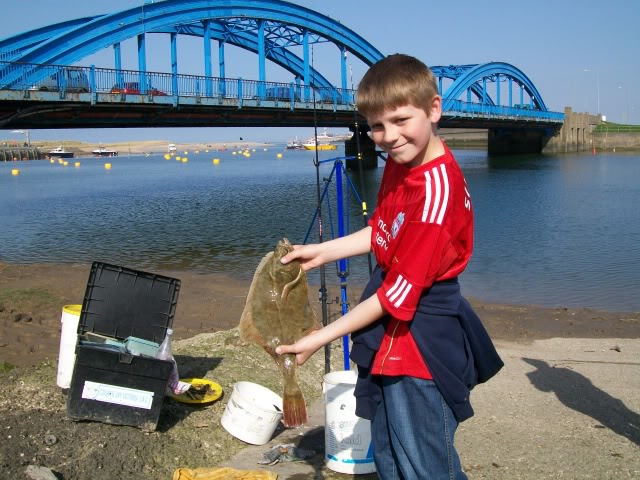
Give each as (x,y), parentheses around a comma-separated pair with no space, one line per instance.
(71,79)
(469,109)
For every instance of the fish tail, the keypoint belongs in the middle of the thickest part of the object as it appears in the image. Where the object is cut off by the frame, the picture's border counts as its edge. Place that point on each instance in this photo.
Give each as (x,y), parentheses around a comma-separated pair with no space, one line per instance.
(295,410)
(294,406)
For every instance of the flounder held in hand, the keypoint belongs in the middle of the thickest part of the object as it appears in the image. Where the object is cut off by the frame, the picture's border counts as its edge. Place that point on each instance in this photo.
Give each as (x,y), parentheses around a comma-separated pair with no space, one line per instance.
(278,312)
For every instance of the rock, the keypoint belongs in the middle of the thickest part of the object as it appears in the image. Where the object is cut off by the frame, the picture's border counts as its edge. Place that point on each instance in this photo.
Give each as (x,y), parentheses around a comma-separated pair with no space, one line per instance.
(22,317)
(40,473)
(235,341)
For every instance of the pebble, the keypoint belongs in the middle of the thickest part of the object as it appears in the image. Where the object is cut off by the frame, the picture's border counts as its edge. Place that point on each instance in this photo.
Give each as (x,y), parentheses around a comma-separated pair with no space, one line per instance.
(22,317)
(40,473)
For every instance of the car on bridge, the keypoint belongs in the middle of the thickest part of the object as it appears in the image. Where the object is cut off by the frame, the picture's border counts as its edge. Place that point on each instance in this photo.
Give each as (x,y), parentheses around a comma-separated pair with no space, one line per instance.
(283,94)
(68,79)
(133,88)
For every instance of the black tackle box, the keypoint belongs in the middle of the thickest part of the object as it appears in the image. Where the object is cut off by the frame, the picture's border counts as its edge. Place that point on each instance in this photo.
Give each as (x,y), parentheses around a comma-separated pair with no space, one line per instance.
(108,384)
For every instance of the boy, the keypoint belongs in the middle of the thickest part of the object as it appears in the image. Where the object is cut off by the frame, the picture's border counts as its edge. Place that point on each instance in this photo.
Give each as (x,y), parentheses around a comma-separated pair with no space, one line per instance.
(418,345)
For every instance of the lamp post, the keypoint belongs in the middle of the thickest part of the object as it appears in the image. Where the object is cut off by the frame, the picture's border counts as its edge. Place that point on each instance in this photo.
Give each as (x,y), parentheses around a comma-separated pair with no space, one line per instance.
(598,79)
(25,133)
(573,89)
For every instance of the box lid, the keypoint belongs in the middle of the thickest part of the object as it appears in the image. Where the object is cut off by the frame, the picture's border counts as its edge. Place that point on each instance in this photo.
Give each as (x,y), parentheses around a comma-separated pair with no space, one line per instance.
(120,302)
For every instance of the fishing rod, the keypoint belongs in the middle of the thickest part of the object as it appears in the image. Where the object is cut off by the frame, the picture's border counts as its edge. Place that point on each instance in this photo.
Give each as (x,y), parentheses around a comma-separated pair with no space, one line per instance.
(365,214)
(316,162)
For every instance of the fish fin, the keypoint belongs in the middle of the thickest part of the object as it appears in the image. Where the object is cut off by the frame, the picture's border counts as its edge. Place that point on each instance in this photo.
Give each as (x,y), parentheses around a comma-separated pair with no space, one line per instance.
(311,320)
(248,330)
(287,288)
(294,409)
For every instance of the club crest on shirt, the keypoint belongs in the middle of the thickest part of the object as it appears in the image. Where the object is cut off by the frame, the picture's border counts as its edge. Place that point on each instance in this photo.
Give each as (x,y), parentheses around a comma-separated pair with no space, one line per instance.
(397,223)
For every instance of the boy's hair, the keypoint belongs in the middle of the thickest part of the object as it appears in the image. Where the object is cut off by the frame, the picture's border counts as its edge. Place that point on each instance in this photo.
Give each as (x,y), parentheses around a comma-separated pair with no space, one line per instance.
(395,81)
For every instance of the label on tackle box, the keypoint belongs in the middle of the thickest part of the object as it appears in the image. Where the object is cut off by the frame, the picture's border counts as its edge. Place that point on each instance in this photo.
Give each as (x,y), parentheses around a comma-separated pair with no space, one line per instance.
(102,392)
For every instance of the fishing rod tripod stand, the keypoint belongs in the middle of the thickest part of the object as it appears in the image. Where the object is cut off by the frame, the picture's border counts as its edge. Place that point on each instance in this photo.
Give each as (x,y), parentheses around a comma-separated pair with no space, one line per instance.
(342,265)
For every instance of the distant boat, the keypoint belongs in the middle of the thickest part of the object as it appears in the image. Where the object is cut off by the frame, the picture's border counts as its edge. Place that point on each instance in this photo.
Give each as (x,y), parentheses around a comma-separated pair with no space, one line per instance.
(326,146)
(172,148)
(294,145)
(326,141)
(330,137)
(311,145)
(103,152)
(60,152)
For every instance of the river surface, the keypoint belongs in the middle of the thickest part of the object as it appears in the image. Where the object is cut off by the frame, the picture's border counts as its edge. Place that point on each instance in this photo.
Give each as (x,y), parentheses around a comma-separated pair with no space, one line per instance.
(551,230)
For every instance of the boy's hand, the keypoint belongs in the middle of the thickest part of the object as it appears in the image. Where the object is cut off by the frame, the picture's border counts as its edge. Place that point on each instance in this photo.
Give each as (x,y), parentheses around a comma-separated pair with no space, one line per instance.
(303,348)
(309,256)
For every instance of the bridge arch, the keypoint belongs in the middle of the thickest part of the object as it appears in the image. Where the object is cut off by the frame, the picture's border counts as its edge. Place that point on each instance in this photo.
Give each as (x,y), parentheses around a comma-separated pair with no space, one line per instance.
(35,73)
(474,78)
(265,27)
(12,48)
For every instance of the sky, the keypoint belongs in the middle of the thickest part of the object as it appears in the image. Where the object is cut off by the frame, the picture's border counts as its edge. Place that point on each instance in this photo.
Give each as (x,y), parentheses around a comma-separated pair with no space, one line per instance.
(578,54)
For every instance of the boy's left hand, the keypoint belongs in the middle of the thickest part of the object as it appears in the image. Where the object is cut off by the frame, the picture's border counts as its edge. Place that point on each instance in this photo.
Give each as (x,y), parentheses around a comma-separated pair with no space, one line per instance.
(303,349)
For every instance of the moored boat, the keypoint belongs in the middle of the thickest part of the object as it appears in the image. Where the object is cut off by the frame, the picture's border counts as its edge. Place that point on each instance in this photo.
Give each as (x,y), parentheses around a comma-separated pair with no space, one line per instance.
(172,148)
(294,145)
(60,152)
(104,152)
(311,145)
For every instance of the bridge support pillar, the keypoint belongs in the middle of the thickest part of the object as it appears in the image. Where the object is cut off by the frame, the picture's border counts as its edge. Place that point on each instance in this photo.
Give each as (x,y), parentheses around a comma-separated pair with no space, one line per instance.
(367,150)
(504,141)
(576,133)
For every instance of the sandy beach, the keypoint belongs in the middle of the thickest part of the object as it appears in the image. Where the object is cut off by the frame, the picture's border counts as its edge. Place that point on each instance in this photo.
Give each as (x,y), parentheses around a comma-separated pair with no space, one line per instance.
(566,405)
(32,297)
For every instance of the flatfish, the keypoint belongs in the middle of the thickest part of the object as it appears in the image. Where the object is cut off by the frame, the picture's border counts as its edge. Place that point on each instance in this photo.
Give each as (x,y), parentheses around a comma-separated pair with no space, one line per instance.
(278,312)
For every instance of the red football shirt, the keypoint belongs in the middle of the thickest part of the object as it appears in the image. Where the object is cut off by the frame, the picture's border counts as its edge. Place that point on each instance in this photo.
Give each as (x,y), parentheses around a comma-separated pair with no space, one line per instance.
(422,233)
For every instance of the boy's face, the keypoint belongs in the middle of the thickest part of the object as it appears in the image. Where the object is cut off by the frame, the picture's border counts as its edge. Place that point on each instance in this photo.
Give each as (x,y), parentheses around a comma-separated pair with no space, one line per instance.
(405,133)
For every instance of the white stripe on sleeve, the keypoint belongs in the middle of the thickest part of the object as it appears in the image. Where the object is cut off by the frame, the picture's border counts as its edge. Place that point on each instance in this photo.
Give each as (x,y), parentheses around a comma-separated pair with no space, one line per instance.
(436,199)
(427,196)
(392,289)
(404,295)
(400,289)
(436,195)
(445,196)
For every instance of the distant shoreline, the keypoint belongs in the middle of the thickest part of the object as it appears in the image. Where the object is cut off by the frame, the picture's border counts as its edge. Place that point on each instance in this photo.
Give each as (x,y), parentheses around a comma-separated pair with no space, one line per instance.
(142,147)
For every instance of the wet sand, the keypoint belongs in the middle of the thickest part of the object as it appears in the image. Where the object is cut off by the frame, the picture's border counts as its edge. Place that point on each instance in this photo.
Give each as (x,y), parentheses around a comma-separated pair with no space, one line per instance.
(32,298)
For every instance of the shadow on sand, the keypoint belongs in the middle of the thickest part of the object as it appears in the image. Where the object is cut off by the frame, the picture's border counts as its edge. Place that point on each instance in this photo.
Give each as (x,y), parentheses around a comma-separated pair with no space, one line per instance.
(580,394)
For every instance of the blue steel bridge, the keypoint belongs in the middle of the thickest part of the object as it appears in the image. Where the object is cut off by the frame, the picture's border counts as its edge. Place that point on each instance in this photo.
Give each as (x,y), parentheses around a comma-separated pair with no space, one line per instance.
(46,81)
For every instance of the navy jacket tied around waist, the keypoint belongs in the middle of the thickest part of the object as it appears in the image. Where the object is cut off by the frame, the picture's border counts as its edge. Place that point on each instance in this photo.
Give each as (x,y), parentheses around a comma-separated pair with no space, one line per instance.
(450,336)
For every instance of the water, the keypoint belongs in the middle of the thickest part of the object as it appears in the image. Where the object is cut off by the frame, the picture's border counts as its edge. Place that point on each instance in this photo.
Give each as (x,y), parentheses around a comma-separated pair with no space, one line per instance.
(550,230)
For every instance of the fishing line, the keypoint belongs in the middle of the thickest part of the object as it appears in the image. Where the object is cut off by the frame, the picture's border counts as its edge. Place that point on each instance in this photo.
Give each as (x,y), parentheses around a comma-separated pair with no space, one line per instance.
(365,214)
(316,162)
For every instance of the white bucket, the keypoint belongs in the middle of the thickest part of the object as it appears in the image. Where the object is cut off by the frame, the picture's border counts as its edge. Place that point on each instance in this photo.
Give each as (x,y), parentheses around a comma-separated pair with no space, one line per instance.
(347,438)
(68,340)
(252,413)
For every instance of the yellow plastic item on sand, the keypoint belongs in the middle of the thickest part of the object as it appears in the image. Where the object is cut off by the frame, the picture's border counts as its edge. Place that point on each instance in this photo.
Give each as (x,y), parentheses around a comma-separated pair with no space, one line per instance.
(215,391)
(223,473)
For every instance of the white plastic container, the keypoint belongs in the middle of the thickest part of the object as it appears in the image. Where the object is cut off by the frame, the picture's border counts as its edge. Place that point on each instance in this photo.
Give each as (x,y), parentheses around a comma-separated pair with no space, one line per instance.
(68,339)
(347,438)
(252,413)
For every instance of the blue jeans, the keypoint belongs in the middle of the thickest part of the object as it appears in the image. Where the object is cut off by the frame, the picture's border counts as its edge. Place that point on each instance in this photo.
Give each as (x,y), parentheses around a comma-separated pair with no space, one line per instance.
(412,432)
